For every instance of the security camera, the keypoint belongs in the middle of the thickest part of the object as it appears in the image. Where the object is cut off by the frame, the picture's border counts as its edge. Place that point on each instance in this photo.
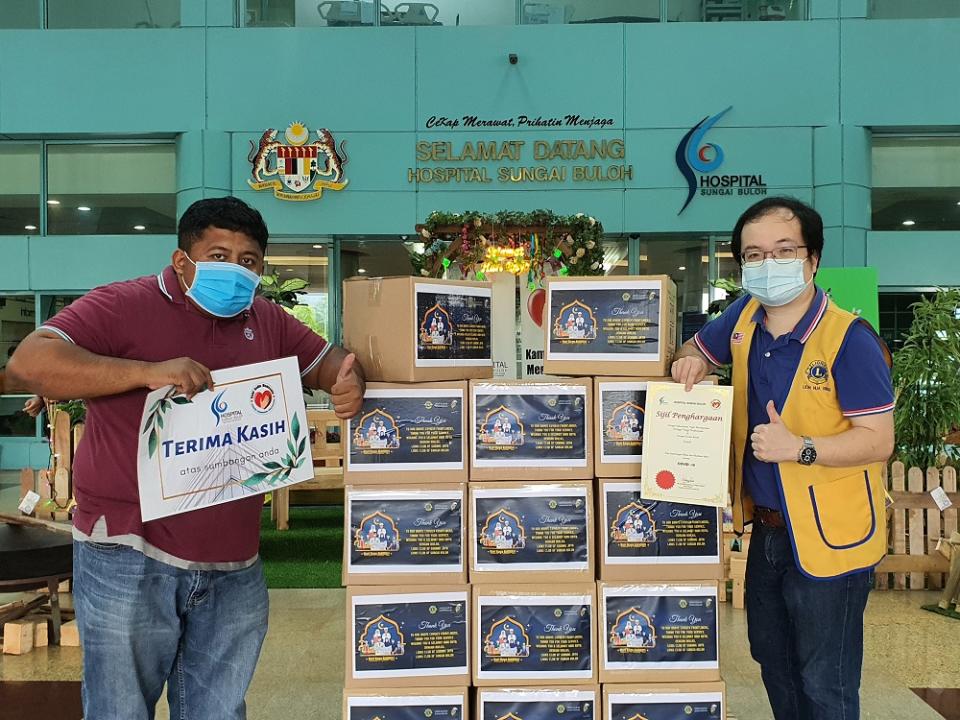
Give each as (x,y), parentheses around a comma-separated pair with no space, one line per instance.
(512,57)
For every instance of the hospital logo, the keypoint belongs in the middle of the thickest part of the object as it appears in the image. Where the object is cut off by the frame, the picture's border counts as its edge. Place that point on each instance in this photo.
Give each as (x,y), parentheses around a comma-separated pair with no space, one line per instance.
(817,372)
(221,410)
(303,169)
(695,156)
(262,398)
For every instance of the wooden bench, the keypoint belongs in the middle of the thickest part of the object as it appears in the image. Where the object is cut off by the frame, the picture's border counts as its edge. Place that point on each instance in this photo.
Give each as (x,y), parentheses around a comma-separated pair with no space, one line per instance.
(326,446)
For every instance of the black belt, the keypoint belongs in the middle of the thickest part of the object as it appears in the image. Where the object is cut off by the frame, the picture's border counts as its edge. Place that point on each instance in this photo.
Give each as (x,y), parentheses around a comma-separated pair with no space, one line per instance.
(769,517)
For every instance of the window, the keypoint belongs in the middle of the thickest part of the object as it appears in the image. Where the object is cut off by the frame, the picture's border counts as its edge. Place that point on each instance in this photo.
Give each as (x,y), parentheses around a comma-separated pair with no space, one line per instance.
(20,15)
(19,189)
(50,305)
(112,14)
(896,315)
(549,12)
(735,10)
(900,9)
(916,183)
(17,320)
(111,189)
(359,13)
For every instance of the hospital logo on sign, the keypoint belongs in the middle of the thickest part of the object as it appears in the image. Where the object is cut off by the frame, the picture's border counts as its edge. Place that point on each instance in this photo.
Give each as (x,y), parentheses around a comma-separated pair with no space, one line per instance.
(302,169)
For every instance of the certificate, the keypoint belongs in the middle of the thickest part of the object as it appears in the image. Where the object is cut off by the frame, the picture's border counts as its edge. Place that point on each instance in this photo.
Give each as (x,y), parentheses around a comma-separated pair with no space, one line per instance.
(246,436)
(686,444)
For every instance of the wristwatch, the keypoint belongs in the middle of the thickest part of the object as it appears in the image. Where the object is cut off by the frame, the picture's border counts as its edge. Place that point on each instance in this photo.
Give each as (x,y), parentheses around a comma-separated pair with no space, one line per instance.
(808,453)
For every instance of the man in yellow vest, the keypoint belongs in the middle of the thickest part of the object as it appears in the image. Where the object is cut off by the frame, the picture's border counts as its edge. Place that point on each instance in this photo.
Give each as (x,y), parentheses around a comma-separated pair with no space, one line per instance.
(812,427)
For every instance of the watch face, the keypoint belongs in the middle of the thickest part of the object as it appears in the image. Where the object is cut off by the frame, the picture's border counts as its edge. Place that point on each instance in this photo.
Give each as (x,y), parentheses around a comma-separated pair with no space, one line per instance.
(808,455)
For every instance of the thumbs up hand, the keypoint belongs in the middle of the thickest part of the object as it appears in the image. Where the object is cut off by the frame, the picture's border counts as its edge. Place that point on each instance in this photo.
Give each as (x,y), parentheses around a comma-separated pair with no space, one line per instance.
(773,442)
(347,392)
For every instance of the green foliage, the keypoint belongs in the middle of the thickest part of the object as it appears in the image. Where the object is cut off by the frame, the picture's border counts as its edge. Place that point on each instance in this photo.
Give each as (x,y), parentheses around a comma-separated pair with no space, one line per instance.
(286,294)
(926,378)
(75,409)
(154,422)
(279,472)
(567,244)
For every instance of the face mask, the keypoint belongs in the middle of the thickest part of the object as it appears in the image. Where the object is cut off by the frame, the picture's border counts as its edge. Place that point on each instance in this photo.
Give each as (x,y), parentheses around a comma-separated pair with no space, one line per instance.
(774,283)
(223,289)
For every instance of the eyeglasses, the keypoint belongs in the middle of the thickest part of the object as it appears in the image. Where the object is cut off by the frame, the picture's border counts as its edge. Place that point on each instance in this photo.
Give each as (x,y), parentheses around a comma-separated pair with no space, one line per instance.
(783,255)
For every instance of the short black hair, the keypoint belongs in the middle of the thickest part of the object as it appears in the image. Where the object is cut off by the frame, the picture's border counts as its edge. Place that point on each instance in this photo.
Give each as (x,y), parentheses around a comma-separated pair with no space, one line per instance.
(811,224)
(227,213)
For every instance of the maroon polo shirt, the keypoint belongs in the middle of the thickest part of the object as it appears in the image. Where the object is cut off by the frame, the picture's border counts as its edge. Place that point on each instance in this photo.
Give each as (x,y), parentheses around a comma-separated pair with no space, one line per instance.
(150,319)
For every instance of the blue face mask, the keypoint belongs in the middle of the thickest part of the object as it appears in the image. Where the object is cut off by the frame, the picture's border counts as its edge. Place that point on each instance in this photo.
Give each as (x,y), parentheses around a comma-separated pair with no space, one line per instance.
(223,289)
(775,284)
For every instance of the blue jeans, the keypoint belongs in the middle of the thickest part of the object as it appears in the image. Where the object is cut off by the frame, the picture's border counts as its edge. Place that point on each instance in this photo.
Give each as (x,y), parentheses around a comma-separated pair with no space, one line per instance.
(806,634)
(144,623)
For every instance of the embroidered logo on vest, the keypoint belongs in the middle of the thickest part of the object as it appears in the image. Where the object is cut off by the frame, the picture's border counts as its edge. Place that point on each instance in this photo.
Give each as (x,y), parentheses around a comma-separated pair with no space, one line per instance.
(248,333)
(817,372)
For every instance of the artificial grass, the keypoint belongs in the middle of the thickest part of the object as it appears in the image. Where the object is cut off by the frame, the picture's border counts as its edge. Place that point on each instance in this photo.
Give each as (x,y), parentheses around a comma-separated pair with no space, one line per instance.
(309,554)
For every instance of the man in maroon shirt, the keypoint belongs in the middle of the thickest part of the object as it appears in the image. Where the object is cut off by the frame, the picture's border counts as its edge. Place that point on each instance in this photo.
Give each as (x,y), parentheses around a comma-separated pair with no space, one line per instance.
(180,600)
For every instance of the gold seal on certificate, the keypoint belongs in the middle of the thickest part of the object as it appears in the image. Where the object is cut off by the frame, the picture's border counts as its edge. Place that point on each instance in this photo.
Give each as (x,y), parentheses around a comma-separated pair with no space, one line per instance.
(686,444)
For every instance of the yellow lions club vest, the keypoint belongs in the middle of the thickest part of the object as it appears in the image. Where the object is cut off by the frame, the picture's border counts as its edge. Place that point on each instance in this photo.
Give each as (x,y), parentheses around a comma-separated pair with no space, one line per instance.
(835,516)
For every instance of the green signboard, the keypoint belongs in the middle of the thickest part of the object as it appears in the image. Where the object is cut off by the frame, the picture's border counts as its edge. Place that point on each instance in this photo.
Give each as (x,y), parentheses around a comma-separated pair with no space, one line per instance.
(853,289)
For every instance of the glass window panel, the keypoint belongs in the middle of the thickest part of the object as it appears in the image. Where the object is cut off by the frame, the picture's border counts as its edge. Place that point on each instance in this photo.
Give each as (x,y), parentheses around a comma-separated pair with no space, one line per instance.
(735,10)
(16,322)
(727,266)
(555,12)
(356,13)
(306,259)
(20,14)
(682,258)
(50,305)
(19,189)
(376,257)
(111,189)
(113,14)
(899,9)
(615,260)
(916,183)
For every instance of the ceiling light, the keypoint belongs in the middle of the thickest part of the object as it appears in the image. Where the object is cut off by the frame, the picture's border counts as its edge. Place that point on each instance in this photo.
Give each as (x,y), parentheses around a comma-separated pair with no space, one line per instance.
(318,247)
(139,227)
(909,223)
(362,271)
(29,227)
(53,202)
(682,267)
(83,208)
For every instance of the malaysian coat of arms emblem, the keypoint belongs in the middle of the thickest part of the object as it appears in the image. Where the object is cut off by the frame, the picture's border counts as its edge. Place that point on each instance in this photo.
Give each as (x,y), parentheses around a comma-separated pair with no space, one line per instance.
(300,169)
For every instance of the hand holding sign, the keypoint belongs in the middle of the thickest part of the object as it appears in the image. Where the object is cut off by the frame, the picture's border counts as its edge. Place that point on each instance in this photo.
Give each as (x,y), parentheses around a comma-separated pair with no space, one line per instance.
(773,442)
(347,393)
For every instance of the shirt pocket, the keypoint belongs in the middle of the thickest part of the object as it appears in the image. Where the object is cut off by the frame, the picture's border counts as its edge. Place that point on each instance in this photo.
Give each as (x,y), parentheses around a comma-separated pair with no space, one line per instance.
(844,510)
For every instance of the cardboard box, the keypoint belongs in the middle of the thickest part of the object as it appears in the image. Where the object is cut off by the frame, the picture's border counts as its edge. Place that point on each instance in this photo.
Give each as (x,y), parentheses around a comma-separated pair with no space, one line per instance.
(705,700)
(642,627)
(619,409)
(614,325)
(582,702)
(408,434)
(655,540)
(523,430)
(407,329)
(405,535)
(405,703)
(534,634)
(398,636)
(531,532)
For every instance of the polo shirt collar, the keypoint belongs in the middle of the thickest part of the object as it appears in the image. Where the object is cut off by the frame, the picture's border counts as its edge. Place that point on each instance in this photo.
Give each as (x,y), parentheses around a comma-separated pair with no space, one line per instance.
(169,284)
(808,323)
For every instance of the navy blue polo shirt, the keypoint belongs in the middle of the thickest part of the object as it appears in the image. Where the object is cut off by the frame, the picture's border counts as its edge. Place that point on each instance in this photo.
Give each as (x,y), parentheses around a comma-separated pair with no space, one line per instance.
(860,375)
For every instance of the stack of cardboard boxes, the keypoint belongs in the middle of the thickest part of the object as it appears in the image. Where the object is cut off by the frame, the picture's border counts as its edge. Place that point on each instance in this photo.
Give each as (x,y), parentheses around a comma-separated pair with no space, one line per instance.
(552,505)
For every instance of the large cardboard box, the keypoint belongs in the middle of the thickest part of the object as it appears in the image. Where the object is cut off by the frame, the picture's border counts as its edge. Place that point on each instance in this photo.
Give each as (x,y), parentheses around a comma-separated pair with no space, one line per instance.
(531,532)
(534,634)
(405,535)
(524,430)
(619,410)
(406,703)
(582,702)
(408,434)
(407,329)
(694,700)
(642,539)
(658,633)
(408,636)
(614,325)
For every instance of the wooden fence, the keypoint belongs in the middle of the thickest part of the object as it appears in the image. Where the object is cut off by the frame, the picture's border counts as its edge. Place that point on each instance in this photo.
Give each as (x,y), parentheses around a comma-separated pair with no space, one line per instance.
(915,524)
